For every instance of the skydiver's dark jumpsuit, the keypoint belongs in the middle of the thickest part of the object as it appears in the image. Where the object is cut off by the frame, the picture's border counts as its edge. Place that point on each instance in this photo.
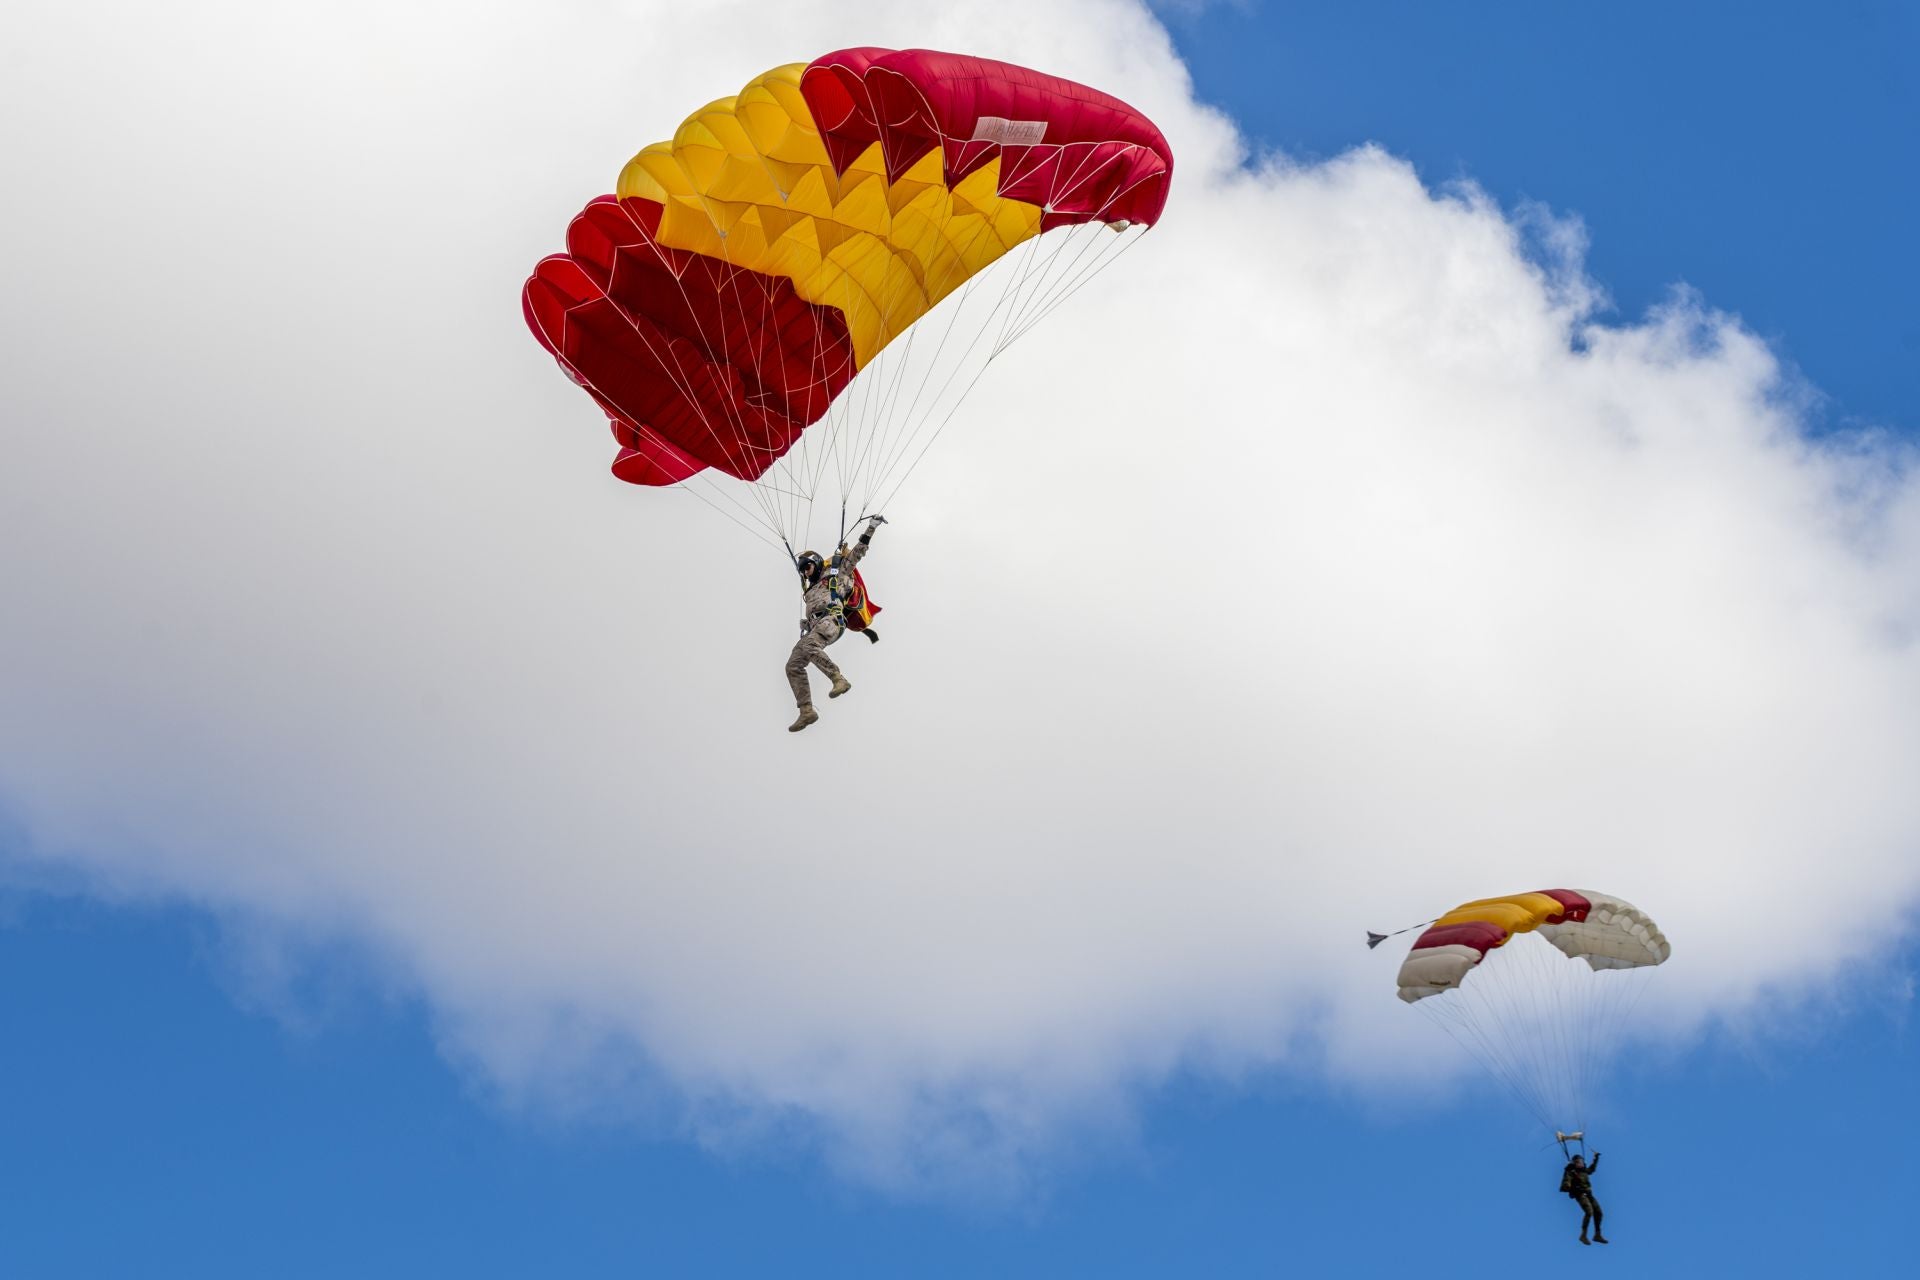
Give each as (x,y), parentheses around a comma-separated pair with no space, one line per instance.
(1574,1183)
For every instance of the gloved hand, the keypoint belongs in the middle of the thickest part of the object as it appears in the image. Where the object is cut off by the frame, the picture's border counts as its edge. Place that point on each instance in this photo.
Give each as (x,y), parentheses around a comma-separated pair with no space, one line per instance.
(873,520)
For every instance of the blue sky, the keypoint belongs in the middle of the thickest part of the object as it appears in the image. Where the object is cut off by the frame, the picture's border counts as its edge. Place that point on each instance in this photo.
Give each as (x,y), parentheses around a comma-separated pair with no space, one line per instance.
(154,1129)
(1751,151)
(156,1121)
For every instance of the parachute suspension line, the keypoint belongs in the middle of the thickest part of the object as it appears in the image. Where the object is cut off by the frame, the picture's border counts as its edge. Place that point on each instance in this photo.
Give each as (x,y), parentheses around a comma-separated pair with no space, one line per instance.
(870,442)
(1513,1014)
(884,422)
(780,501)
(711,488)
(1125,241)
(1073,248)
(1005,301)
(853,410)
(679,383)
(799,467)
(750,332)
(659,357)
(1537,1022)
(1086,171)
(1079,277)
(1509,1015)
(814,458)
(770,514)
(1555,1005)
(888,375)
(759,333)
(894,425)
(967,292)
(901,429)
(1059,266)
(792,487)
(736,427)
(728,514)
(1478,1043)
(1568,1033)
(888,365)
(730,377)
(1001,343)
(587,382)
(1541,1006)
(872,411)
(1547,1067)
(869,439)
(1553,1020)
(1629,988)
(1531,1003)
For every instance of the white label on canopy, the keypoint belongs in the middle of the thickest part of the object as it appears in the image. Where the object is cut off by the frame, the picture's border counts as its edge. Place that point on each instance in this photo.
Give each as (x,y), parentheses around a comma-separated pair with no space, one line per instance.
(1009,133)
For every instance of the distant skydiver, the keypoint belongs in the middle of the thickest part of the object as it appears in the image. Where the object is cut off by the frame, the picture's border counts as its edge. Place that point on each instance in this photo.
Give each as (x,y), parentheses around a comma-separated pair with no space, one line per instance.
(1574,1181)
(828,589)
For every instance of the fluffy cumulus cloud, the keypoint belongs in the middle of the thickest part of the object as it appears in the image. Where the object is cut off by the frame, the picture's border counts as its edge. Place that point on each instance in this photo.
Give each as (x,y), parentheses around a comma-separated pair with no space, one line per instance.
(1356,568)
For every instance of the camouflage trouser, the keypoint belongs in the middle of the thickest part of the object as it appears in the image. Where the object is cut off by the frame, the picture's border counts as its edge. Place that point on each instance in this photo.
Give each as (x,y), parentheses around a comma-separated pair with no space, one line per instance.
(812,647)
(1589,1211)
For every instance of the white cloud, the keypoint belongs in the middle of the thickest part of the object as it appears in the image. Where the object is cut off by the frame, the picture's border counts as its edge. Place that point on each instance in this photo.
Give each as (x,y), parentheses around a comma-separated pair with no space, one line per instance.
(1358,570)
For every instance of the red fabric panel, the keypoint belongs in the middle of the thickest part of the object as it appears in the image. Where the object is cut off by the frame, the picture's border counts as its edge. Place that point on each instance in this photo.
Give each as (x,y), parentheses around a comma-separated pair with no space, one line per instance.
(1093,157)
(1576,905)
(697,363)
(1477,934)
(860,611)
(652,461)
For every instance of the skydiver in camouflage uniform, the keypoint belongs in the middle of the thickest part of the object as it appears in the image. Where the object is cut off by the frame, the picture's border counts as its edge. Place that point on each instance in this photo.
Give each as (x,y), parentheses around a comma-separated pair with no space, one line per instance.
(1574,1182)
(822,622)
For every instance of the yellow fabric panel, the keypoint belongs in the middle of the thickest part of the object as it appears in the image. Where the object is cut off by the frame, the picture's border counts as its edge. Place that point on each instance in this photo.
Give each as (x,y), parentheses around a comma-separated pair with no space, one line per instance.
(1516,913)
(747,179)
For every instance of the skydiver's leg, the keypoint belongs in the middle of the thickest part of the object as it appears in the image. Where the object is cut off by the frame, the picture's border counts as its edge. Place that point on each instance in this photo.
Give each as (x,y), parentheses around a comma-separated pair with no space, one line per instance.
(826,633)
(1597,1237)
(1586,1214)
(803,651)
(823,635)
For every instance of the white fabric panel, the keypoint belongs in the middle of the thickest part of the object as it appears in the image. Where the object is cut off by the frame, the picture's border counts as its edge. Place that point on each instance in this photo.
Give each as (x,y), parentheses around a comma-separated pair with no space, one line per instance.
(1428,971)
(1615,935)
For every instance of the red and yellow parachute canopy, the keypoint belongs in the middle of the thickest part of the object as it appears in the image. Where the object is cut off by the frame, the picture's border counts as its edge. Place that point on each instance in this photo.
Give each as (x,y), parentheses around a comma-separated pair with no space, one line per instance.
(746,270)
(1544,1014)
(1605,932)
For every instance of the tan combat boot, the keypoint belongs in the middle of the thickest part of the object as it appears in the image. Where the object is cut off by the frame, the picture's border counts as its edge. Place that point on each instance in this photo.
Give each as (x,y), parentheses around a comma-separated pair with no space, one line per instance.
(840,685)
(807,716)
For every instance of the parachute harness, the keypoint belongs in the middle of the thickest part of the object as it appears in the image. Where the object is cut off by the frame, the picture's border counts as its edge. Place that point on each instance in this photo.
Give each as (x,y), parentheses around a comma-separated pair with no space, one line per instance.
(839,587)
(839,584)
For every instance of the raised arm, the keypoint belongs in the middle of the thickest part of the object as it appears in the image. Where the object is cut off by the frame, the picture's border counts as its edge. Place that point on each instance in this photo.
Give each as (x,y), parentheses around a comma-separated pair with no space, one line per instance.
(859,549)
(1595,1166)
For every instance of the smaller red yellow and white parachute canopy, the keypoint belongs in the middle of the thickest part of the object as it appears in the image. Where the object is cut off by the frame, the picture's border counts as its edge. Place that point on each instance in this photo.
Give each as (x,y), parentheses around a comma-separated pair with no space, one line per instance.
(1606,932)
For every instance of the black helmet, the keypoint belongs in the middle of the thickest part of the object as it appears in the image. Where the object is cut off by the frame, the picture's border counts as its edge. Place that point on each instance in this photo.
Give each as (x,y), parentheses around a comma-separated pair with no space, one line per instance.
(809,564)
